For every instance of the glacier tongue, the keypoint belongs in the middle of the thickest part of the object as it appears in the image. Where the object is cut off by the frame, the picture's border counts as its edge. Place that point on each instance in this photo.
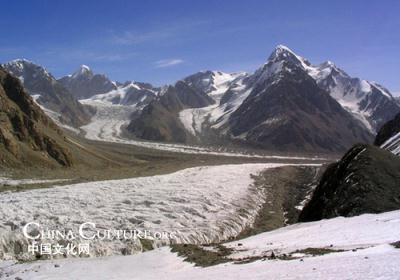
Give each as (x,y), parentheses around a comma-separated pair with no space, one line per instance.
(200,205)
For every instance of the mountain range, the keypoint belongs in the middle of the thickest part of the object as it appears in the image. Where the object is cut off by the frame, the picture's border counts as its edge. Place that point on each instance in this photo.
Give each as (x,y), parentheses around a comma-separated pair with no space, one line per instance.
(55,99)
(286,105)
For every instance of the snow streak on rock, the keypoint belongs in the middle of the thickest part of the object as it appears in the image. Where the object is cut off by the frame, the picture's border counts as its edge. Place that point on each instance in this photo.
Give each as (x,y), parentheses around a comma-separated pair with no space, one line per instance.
(393,144)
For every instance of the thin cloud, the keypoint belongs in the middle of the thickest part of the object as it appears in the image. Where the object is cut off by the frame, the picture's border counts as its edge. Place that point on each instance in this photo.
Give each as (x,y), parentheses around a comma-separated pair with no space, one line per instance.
(167,62)
(178,29)
(130,38)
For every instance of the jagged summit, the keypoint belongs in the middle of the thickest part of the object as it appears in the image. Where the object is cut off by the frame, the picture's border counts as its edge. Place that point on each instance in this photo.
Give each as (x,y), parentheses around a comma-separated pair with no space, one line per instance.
(211,82)
(283,53)
(24,69)
(279,49)
(83,83)
(20,61)
(83,70)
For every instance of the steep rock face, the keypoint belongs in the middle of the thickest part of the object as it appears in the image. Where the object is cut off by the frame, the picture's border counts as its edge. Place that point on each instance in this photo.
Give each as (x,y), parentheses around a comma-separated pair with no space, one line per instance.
(365,180)
(158,121)
(84,83)
(49,93)
(192,97)
(26,133)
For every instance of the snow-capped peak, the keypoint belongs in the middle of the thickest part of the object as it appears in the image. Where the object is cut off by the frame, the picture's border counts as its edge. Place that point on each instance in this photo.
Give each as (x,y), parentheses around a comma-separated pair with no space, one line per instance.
(131,84)
(213,83)
(19,68)
(20,62)
(282,52)
(282,48)
(281,60)
(328,63)
(83,70)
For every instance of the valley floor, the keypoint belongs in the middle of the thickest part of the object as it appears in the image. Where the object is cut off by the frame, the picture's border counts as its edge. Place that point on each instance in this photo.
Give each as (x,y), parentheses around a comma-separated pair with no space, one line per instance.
(104,153)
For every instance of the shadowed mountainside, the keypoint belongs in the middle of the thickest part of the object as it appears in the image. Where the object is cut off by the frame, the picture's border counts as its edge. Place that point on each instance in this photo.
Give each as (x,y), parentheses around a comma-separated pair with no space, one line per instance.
(365,180)
(26,133)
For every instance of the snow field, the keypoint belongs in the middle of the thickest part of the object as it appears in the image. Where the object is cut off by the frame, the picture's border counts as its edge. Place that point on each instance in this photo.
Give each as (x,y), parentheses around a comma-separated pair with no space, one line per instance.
(379,261)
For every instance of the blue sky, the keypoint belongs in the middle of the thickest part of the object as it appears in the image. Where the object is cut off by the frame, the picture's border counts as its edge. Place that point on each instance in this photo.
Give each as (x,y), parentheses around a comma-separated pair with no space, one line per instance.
(162,41)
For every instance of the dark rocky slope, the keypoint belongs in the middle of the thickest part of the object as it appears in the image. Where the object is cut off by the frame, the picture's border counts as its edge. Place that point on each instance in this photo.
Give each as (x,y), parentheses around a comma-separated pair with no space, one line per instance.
(27,135)
(388,130)
(365,180)
(159,120)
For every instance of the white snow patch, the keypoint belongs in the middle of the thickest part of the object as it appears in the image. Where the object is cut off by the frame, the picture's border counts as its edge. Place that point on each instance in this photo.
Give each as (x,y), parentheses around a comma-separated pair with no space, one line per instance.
(221,82)
(15,182)
(342,233)
(119,95)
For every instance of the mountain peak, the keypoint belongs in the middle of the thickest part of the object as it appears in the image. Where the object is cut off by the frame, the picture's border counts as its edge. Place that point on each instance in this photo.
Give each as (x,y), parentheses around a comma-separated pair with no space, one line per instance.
(20,60)
(22,67)
(84,83)
(83,70)
(20,63)
(281,60)
(85,67)
(281,47)
(283,53)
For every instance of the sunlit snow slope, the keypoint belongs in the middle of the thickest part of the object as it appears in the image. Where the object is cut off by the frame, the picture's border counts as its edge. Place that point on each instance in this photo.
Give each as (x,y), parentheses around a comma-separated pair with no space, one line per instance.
(374,233)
